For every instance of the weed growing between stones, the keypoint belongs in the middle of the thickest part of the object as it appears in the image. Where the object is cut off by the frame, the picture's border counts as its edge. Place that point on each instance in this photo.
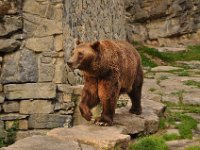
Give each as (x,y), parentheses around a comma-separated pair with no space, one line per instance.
(186,126)
(121,103)
(163,77)
(183,73)
(10,135)
(192,83)
(180,95)
(2,142)
(152,89)
(170,137)
(147,62)
(185,108)
(186,123)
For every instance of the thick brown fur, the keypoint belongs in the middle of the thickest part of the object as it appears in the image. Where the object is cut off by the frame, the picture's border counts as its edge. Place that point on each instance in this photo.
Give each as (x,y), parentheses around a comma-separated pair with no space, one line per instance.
(109,68)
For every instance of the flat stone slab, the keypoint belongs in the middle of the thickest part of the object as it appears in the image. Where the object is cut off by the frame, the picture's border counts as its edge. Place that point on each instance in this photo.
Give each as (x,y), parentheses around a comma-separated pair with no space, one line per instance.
(100,137)
(43,143)
(165,68)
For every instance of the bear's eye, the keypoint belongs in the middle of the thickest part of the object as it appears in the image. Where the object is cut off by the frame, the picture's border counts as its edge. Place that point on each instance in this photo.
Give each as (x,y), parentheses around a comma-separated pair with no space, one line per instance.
(80,55)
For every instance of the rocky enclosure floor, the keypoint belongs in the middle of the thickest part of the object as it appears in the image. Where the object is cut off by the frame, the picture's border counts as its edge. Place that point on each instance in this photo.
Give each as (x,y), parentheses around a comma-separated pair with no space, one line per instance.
(163,86)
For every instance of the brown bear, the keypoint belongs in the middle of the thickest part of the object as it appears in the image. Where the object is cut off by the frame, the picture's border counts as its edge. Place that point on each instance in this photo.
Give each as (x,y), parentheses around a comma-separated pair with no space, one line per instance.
(109,68)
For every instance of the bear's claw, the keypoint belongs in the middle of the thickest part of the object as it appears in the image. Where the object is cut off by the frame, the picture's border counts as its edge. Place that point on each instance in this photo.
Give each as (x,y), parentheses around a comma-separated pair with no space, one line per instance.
(101,122)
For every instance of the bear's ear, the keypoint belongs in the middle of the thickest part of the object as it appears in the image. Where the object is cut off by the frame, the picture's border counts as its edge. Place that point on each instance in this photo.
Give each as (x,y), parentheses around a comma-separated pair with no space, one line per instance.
(78,42)
(96,46)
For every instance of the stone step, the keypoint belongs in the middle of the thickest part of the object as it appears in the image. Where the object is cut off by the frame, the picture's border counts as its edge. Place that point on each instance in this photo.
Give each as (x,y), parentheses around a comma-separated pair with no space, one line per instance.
(91,136)
(100,137)
(125,124)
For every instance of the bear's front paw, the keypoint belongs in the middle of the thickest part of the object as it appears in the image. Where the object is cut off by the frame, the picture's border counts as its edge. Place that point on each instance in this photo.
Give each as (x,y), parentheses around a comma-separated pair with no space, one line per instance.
(102,122)
(87,116)
(85,112)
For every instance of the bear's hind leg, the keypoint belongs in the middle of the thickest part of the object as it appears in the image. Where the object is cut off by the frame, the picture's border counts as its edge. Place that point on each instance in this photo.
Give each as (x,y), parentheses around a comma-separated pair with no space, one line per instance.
(135,94)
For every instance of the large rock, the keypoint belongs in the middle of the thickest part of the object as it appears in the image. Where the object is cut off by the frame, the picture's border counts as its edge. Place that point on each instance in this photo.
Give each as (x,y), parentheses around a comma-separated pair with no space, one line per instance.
(30,90)
(100,137)
(18,67)
(146,123)
(125,124)
(36,106)
(48,121)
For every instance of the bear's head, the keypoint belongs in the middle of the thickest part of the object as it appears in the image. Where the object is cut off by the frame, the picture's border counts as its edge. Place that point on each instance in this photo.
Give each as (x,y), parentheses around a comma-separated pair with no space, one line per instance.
(84,55)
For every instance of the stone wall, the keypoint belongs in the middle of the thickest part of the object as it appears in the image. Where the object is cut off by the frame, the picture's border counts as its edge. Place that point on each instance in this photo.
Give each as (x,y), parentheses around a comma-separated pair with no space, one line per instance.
(90,20)
(173,23)
(36,37)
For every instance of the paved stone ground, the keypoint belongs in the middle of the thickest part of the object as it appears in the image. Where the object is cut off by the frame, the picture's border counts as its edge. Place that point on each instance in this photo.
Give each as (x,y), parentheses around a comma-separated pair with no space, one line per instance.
(168,84)
(161,84)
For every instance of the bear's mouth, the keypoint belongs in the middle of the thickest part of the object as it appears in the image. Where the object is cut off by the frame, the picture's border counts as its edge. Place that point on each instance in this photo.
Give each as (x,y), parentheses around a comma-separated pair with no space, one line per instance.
(74,66)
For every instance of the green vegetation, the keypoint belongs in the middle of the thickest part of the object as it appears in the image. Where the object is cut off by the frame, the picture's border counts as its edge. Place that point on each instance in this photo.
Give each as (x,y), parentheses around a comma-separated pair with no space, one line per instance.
(170,137)
(10,136)
(186,126)
(147,62)
(162,123)
(183,73)
(117,148)
(121,103)
(154,53)
(163,77)
(193,148)
(152,89)
(150,56)
(187,123)
(149,143)
(179,94)
(185,108)
(2,142)
(192,83)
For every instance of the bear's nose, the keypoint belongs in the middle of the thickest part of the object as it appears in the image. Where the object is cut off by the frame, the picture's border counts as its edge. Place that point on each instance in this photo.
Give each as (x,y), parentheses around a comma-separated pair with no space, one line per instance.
(69,63)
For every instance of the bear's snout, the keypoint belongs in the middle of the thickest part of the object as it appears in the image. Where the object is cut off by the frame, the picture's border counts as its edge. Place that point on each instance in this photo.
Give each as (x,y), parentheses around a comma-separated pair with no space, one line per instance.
(69,63)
